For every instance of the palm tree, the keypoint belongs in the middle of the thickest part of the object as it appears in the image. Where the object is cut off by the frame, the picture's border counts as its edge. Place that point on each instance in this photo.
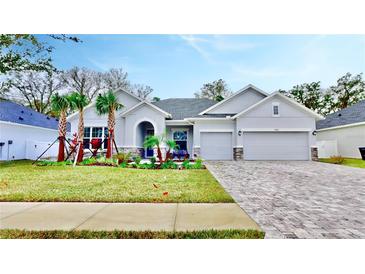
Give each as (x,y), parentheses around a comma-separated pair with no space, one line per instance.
(108,103)
(61,104)
(79,101)
(155,141)
(172,146)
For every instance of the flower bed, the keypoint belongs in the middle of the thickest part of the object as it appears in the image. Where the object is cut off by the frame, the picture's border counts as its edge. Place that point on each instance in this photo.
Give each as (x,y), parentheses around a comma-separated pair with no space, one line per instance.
(129,163)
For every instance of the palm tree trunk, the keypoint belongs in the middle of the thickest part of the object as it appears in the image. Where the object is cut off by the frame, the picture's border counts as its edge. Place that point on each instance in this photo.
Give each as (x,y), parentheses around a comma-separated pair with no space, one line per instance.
(61,136)
(80,156)
(111,123)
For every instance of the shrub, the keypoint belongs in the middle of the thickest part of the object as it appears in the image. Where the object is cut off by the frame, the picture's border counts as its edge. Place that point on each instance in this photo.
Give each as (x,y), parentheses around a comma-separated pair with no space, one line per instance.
(137,160)
(89,161)
(122,157)
(198,164)
(169,165)
(337,160)
(153,160)
(186,164)
(51,163)
(146,166)
(106,162)
(124,164)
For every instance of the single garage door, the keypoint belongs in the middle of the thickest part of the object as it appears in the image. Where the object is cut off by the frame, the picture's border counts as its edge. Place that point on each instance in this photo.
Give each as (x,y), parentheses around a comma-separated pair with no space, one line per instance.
(216,145)
(275,146)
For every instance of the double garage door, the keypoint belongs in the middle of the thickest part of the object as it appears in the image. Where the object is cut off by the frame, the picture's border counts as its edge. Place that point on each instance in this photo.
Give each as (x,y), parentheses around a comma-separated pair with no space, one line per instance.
(257,145)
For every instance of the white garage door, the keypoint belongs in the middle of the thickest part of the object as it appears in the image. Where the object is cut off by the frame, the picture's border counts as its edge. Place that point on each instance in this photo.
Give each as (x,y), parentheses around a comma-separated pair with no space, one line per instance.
(275,146)
(216,145)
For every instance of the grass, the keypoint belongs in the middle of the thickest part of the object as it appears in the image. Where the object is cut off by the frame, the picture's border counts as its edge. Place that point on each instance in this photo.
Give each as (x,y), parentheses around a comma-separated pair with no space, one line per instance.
(21,181)
(347,162)
(87,234)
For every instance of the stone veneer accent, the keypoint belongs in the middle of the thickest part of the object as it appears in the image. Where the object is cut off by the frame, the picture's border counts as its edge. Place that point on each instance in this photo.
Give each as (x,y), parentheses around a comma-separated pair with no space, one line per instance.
(314,153)
(238,153)
(135,151)
(196,152)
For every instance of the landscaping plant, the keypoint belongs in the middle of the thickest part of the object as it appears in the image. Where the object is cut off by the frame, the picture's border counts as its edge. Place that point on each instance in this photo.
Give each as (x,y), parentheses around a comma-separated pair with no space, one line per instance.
(61,104)
(337,160)
(79,101)
(156,141)
(137,160)
(122,157)
(108,103)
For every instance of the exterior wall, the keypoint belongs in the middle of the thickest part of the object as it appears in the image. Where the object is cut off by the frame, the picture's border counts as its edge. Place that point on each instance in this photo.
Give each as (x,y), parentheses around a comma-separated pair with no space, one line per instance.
(291,118)
(91,118)
(20,135)
(239,102)
(349,139)
(142,114)
(212,126)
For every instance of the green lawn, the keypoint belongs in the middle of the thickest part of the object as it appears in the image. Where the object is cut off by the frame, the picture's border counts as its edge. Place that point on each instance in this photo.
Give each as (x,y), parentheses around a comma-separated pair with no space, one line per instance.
(87,234)
(21,181)
(347,162)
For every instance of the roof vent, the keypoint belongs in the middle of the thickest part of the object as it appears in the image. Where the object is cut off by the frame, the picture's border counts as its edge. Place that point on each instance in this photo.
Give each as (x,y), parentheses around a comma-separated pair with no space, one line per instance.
(56,119)
(20,118)
(22,111)
(339,114)
(48,118)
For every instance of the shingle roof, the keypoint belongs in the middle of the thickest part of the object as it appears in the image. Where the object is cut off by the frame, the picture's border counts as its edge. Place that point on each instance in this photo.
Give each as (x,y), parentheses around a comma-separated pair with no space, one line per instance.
(181,108)
(15,113)
(350,115)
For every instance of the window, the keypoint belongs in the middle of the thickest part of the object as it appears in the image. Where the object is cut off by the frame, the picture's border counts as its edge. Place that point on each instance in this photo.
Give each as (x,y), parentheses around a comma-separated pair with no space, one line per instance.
(95,133)
(275,110)
(181,137)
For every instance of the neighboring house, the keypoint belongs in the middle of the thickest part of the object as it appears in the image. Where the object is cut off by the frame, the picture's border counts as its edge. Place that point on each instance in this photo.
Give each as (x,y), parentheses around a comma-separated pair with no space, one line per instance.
(344,130)
(25,133)
(250,125)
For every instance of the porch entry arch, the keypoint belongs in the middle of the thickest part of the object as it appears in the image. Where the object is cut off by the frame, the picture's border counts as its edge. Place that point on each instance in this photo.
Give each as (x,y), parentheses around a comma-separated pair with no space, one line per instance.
(142,130)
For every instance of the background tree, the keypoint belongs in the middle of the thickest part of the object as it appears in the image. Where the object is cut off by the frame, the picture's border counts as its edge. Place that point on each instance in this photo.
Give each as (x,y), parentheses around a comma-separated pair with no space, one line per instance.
(61,104)
(85,81)
(142,91)
(216,90)
(24,52)
(108,103)
(156,99)
(312,96)
(348,91)
(115,78)
(79,101)
(34,89)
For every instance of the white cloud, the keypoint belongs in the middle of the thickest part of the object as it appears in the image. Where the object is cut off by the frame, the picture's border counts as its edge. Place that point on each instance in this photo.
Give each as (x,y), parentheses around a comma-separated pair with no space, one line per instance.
(194,41)
(209,46)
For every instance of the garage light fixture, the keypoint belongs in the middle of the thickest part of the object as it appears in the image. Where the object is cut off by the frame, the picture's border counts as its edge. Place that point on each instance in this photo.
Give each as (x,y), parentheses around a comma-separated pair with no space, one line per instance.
(314,133)
(240,132)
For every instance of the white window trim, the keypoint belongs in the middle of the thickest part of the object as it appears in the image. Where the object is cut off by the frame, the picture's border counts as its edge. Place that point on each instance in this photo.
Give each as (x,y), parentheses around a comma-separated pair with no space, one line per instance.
(275,104)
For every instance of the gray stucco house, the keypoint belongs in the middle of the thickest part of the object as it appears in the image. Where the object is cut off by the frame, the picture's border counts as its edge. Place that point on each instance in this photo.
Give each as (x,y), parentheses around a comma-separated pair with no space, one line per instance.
(249,125)
(343,132)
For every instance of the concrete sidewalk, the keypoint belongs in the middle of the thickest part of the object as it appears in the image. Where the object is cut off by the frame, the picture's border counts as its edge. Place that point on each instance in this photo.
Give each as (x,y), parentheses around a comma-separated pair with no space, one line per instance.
(123,216)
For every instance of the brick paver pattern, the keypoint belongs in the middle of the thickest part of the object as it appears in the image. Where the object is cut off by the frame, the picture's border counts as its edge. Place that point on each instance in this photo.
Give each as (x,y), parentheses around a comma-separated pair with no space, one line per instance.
(297,199)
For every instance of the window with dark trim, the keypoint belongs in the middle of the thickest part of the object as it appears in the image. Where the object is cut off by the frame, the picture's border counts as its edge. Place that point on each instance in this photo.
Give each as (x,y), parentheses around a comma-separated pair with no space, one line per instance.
(275,110)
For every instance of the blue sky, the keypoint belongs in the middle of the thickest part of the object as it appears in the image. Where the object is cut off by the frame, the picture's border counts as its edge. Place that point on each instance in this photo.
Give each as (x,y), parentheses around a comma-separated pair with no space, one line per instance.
(178,65)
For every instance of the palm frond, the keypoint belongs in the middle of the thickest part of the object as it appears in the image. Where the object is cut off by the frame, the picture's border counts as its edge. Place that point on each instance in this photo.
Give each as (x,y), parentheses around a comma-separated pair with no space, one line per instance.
(59,102)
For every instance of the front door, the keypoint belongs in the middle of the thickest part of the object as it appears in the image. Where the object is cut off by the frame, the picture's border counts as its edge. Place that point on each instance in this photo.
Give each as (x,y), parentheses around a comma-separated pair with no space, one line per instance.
(149,151)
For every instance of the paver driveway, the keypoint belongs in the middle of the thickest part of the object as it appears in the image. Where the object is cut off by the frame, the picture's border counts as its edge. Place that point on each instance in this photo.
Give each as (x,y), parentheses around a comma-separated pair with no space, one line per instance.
(297,199)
